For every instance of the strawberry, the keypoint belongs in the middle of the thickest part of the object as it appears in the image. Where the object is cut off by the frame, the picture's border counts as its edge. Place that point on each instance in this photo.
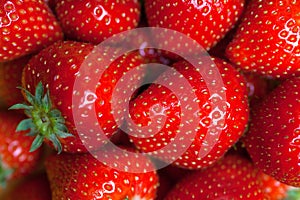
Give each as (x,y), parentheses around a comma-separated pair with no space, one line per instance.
(11,73)
(273,137)
(51,113)
(190,121)
(207,22)
(267,39)
(82,176)
(26,27)
(272,188)
(96,20)
(16,161)
(233,177)
(33,187)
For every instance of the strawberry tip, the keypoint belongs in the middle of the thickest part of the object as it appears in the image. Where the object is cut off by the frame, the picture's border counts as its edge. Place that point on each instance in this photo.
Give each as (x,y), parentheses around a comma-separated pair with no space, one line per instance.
(44,122)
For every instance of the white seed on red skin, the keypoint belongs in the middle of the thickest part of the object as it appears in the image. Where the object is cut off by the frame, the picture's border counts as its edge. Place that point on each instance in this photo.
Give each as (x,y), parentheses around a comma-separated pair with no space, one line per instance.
(184,160)
(23,36)
(231,177)
(283,56)
(99,16)
(276,120)
(160,14)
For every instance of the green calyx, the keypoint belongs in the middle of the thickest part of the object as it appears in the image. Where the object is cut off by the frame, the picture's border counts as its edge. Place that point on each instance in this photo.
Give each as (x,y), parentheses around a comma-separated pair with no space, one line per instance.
(293,194)
(4,175)
(44,122)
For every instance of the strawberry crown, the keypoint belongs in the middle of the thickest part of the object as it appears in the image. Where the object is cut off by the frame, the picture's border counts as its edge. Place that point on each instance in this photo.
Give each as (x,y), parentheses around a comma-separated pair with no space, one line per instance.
(44,122)
(293,193)
(5,173)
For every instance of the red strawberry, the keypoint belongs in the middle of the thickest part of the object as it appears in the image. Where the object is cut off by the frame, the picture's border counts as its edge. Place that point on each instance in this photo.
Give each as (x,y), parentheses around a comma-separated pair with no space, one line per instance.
(274,134)
(233,177)
(193,121)
(52,115)
(15,159)
(26,26)
(11,73)
(96,20)
(34,187)
(273,189)
(82,176)
(267,40)
(207,22)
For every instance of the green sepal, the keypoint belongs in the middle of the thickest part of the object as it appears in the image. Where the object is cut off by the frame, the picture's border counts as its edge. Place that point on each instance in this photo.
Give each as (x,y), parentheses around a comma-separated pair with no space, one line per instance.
(29,97)
(55,114)
(62,134)
(47,102)
(4,174)
(45,121)
(37,142)
(25,125)
(39,91)
(56,143)
(32,132)
(20,106)
(293,194)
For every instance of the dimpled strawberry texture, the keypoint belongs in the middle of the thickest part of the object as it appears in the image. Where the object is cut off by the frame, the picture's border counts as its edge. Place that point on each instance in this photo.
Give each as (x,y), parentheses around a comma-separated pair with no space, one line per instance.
(82,176)
(218,120)
(207,22)
(233,177)
(96,20)
(26,27)
(267,40)
(273,138)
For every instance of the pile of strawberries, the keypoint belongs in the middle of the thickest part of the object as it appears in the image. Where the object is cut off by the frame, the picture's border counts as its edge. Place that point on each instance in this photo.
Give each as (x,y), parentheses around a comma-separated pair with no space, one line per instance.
(132,139)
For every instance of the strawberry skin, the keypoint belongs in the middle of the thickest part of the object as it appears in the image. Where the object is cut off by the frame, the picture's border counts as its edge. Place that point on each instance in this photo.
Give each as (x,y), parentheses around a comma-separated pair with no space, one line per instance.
(207,22)
(96,20)
(233,177)
(272,188)
(26,26)
(51,118)
(11,75)
(273,137)
(82,176)
(33,187)
(215,129)
(15,159)
(267,40)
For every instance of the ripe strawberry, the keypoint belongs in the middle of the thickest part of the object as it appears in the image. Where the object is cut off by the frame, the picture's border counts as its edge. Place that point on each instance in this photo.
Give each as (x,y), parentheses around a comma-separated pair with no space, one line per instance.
(207,22)
(11,73)
(34,187)
(26,26)
(267,40)
(273,137)
(15,159)
(52,115)
(96,20)
(233,177)
(273,189)
(194,120)
(82,176)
